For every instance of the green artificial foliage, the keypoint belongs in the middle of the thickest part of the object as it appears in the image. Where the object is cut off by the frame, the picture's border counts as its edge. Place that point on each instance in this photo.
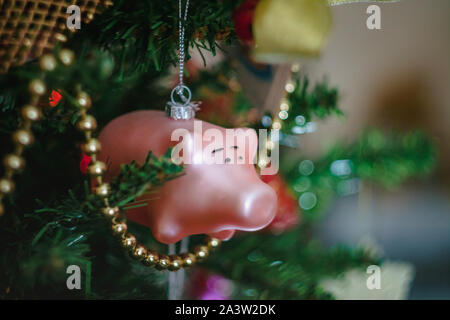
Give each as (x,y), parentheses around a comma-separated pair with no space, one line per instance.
(144,34)
(286,266)
(319,102)
(383,159)
(38,245)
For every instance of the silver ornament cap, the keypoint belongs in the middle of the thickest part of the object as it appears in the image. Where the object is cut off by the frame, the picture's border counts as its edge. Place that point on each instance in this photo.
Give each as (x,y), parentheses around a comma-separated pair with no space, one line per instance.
(184,110)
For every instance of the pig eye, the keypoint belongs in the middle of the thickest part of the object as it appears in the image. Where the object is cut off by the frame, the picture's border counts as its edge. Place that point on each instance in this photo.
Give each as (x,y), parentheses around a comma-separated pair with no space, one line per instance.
(241,158)
(216,150)
(235,147)
(227,160)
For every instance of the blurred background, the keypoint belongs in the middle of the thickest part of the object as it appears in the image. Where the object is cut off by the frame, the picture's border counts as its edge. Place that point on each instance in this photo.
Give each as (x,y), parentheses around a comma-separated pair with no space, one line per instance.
(394,78)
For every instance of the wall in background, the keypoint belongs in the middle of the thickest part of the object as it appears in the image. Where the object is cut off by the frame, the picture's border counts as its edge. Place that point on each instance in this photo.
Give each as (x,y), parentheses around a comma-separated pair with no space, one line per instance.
(397,77)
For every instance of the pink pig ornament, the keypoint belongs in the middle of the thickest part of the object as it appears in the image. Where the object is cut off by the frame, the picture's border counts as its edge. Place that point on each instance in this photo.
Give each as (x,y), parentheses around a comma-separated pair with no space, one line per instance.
(214,199)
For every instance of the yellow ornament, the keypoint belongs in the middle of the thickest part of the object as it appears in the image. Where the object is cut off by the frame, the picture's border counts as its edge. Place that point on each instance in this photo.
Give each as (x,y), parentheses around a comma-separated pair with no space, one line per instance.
(285,30)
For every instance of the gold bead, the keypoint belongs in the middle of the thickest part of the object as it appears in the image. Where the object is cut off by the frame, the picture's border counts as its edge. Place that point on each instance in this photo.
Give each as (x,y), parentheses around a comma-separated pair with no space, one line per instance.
(23,137)
(27,42)
(14,162)
(2,209)
(213,243)
(97,168)
(60,36)
(66,56)
(119,229)
(152,258)
(6,186)
(84,100)
(48,62)
(31,113)
(201,252)
(276,125)
(140,253)
(129,242)
(110,212)
(175,262)
(37,87)
(103,190)
(87,123)
(188,259)
(92,146)
(163,262)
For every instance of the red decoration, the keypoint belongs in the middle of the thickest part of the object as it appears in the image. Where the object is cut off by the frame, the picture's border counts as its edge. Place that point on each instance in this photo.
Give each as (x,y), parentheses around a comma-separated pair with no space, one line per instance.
(55,98)
(288,213)
(84,163)
(243,20)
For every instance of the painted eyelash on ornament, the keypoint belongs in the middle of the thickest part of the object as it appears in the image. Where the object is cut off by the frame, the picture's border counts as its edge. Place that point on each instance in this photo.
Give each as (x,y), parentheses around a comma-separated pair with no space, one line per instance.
(221,149)
(227,160)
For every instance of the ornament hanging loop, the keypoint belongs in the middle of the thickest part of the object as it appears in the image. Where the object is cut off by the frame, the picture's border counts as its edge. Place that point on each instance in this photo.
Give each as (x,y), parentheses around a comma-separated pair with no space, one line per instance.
(185,109)
(180,89)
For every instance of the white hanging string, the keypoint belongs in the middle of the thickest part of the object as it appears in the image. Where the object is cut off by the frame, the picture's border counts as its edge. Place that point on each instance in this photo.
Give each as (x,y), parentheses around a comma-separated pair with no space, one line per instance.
(187,108)
(181,29)
(176,279)
(172,289)
(181,274)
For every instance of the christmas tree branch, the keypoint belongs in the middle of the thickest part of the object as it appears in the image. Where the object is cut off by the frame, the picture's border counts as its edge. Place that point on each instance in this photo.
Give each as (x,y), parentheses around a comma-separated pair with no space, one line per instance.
(387,160)
(37,250)
(288,266)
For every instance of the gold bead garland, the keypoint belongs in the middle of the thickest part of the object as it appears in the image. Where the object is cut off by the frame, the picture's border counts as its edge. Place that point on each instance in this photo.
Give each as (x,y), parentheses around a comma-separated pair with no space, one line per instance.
(22,138)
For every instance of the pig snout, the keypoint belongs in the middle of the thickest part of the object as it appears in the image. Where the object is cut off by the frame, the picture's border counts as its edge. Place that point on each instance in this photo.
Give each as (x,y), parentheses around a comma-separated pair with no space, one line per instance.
(219,213)
(258,208)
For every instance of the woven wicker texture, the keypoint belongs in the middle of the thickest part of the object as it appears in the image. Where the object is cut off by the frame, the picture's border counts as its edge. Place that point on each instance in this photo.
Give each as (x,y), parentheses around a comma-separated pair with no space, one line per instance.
(30,28)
